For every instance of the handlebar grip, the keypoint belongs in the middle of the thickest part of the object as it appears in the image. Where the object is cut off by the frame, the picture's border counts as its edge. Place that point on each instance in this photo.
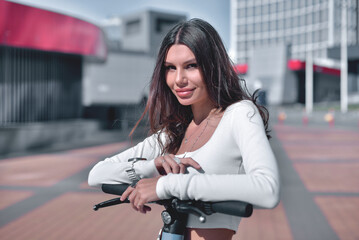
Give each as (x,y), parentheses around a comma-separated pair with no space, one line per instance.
(116,189)
(235,208)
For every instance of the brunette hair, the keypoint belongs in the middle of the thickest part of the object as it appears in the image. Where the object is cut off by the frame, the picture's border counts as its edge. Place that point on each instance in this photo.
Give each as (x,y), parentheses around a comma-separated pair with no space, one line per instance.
(166,114)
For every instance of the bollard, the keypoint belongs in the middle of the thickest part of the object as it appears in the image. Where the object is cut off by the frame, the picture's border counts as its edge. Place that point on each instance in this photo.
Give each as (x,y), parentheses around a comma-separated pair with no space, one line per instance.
(305,119)
(281,117)
(329,118)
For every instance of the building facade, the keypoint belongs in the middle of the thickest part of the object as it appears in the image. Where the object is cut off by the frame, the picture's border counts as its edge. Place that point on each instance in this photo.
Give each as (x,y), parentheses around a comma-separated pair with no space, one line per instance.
(115,90)
(307,25)
(304,26)
(41,60)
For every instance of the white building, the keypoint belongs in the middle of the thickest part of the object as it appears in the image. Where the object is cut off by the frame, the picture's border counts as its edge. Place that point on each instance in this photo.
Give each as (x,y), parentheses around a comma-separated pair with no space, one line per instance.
(302,26)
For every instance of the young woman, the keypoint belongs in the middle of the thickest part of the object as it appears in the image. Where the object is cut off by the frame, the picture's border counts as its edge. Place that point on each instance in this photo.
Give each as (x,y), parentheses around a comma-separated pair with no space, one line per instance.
(209,137)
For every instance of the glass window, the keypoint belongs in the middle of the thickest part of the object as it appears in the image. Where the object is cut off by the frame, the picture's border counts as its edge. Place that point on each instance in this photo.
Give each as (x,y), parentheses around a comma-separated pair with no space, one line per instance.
(288,39)
(280,6)
(287,5)
(265,26)
(295,4)
(316,37)
(280,24)
(299,19)
(164,25)
(288,22)
(258,11)
(294,22)
(250,28)
(302,39)
(241,29)
(295,39)
(239,46)
(273,8)
(324,35)
(302,3)
(273,25)
(257,42)
(309,18)
(133,26)
(324,15)
(265,9)
(250,11)
(302,20)
(258,27)
(316,17)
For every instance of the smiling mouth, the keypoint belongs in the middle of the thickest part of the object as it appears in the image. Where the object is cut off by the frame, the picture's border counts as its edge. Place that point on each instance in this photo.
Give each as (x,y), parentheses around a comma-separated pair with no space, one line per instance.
(184,92)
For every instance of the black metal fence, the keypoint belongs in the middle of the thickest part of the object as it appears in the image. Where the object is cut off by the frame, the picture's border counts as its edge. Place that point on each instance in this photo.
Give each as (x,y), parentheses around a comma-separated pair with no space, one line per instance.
(37,86)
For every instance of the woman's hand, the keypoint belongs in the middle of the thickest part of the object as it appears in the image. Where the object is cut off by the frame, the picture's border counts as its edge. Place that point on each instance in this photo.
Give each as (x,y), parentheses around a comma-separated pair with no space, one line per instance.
(144,192)
(171,164)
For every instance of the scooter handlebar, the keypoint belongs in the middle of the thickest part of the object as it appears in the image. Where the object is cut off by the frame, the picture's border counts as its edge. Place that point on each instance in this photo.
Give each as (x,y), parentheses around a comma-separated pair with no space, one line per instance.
(234,208)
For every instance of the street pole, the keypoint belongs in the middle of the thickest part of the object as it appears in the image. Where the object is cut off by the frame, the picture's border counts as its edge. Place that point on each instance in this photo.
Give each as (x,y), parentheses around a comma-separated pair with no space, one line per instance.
(309,83)
(344,61)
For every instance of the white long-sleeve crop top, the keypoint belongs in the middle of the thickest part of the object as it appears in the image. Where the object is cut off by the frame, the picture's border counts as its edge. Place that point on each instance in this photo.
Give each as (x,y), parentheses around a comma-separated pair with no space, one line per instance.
(237,164)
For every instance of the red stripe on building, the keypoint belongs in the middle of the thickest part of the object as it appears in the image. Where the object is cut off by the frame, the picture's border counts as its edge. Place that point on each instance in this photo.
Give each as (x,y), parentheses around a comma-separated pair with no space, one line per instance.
(29,27)
(241,68)
(298,65)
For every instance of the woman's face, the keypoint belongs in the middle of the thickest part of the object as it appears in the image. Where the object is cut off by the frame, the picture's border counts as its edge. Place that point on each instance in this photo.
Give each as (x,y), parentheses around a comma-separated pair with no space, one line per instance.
(184,77)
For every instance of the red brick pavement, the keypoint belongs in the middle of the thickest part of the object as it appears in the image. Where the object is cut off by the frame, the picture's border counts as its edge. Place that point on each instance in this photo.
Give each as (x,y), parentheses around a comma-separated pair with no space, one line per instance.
(326,160)
(69,216)
(9,197)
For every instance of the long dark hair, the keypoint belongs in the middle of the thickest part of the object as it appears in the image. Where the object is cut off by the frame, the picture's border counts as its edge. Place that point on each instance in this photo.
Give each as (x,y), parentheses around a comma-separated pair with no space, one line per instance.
(224,86)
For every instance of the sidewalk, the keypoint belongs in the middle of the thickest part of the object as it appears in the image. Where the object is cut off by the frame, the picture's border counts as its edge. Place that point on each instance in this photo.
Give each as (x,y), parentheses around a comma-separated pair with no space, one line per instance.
(45,196)
(319,117)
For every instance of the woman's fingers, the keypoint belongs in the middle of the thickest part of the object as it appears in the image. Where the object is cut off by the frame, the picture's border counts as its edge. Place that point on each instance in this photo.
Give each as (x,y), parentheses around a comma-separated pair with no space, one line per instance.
(166,167)
(132,198)
(144,192)
(172,164)
(189,162)
(126,193)
(182,168)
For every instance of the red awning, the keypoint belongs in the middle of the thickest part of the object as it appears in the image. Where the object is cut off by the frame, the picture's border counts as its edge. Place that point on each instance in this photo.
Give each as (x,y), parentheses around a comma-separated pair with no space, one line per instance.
(241,68)
(298,65)
(28,27)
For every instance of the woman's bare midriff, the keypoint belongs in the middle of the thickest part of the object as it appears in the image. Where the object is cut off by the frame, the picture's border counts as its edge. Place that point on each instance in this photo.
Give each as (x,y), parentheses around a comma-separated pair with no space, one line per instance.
(209,234)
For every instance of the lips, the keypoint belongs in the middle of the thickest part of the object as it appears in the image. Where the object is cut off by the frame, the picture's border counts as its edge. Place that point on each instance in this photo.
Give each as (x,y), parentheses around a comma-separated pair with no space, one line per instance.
(184,92)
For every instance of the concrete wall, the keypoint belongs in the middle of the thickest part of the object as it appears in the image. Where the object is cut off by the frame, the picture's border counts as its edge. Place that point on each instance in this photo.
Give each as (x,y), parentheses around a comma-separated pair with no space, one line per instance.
(268,69)
(144,31)
(123,79)
(21,138)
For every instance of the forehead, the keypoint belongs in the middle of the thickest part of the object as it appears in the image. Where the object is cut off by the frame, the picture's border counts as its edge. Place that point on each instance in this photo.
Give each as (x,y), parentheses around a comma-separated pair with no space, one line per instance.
(178,53)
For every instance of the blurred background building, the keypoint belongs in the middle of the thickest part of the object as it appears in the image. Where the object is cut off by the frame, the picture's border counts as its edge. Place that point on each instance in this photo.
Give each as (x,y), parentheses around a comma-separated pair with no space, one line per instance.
(116,90)
(271,41)
(63,79)
(41,60)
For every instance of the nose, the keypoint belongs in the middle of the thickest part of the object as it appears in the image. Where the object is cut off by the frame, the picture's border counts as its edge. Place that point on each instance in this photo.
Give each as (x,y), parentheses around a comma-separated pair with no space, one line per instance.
(181,78)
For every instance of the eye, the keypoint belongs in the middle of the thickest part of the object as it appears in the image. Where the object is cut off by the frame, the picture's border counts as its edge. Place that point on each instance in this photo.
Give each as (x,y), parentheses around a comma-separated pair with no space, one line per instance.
(170,67)
(192,65)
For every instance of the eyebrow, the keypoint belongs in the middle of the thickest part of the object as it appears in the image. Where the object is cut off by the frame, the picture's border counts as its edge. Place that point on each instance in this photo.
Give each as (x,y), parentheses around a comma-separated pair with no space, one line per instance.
(186,62)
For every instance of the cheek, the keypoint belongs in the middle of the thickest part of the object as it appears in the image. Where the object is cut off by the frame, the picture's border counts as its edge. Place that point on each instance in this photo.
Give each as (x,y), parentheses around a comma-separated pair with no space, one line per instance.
(169,80)
(197,78)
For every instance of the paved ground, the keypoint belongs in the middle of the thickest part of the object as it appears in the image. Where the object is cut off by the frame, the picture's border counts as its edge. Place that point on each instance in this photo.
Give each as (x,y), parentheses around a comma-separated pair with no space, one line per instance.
(45,196)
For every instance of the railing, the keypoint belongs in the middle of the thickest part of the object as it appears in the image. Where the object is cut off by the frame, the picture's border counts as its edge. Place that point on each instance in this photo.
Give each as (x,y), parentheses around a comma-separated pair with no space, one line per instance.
(37,86)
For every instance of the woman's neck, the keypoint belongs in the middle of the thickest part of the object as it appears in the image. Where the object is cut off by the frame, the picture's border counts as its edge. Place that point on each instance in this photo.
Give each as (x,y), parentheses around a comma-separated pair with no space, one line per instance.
(200,113)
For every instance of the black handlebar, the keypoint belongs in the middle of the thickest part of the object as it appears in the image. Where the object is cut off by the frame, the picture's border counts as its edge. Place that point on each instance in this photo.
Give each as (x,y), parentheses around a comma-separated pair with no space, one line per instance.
(116,189)
(235,208)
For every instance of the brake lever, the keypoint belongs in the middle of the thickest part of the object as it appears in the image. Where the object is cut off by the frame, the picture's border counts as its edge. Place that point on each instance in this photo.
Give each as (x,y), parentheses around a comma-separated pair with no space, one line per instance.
(188,207)
(108,203)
